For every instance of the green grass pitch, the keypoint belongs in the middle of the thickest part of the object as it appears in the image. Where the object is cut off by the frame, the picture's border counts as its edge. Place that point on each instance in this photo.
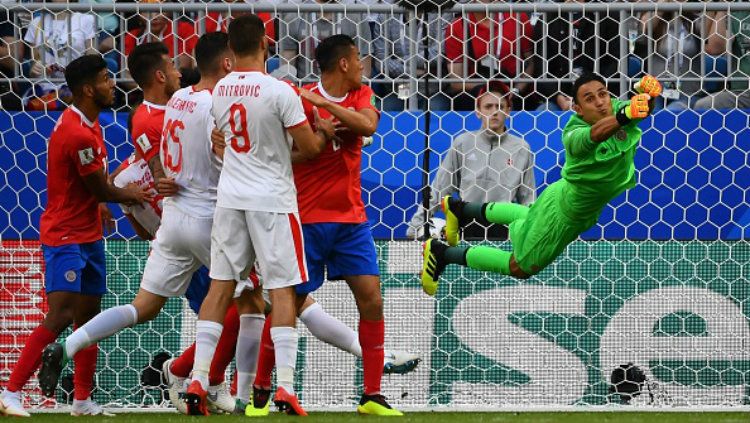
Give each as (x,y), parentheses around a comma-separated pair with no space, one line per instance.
(429,417)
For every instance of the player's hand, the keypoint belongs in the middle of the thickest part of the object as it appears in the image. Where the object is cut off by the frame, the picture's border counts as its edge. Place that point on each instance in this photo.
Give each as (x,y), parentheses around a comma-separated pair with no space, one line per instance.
(648,85)
(313,98)
(326,126)
(639,107)
(138,194)
(167,187)
(107,220)
(218,142)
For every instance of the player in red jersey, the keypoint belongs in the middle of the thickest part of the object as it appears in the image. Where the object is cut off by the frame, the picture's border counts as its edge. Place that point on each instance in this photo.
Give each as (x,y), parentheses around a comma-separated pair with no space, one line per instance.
(153,71)
(336,232)
(71,230)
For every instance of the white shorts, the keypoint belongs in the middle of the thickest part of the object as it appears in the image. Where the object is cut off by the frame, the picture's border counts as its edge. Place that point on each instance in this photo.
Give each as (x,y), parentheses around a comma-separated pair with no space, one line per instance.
(240,237)
(182,245)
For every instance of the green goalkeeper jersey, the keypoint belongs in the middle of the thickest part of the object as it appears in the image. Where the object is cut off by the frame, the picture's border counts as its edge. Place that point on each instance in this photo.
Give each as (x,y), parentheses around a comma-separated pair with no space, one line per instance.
(597,172)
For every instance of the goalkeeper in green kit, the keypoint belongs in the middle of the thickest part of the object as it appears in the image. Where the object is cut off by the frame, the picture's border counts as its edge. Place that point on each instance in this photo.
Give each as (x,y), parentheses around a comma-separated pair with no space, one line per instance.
(600,142)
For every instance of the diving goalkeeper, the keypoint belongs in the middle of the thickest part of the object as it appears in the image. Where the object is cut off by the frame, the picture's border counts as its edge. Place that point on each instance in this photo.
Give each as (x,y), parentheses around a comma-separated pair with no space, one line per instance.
(600,142)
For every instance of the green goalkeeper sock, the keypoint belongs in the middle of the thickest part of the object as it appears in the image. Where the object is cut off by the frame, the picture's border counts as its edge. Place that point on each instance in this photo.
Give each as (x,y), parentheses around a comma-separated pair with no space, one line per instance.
(489,259)
(504,213)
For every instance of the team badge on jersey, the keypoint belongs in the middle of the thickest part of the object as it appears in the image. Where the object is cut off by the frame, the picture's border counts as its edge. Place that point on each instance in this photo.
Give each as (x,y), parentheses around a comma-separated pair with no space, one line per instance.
(144,143)
(621,135)
(70,276)
(86,156)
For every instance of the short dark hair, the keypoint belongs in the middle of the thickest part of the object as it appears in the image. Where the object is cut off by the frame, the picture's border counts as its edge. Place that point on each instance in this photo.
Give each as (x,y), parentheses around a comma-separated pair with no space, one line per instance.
(209,49)
(246,33)
(83,70)
(585,79)
(330,50)
(144,60)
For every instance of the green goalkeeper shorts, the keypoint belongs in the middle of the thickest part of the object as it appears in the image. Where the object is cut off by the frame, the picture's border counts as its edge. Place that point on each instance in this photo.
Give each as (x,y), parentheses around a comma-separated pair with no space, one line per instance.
(546,231)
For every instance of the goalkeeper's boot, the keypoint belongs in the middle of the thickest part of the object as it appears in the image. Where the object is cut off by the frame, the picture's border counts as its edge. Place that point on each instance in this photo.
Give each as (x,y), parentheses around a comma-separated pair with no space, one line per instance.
(53,360)
(433,265)
(376,405)
(219,399)
(11,404)
(453,210)
(88,407)
(288,403)
(175,387)
(260,403)
(399,362)
(195,398)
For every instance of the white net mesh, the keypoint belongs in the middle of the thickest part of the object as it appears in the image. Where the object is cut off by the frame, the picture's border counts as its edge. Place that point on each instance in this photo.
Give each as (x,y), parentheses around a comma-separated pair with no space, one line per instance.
(660,281)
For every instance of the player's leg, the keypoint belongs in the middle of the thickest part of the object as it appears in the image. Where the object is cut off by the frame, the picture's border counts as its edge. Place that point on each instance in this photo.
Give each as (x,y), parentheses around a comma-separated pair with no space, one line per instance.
(334,332)
(458,213)
(71,270)
(279,244)
(250,307)
(355,260)
(176,370)
(87,307)
(59,316)
(231,251)
(259,406)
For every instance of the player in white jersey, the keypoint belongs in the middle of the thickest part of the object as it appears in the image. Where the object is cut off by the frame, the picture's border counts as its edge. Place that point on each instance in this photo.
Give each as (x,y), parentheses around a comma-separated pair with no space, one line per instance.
(256,211)
(183,241)
(146,218)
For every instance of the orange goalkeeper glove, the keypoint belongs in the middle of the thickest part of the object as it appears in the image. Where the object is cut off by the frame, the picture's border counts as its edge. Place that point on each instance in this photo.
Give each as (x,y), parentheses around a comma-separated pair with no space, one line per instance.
(648,85)
(637,109)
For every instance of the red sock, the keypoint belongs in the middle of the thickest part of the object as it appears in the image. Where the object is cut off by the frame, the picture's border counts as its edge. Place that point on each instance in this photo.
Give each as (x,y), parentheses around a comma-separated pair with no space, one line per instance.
(31,357)
(225,349)
(85,367)
(233,386)
(372,338)
(183,365)
(266,358)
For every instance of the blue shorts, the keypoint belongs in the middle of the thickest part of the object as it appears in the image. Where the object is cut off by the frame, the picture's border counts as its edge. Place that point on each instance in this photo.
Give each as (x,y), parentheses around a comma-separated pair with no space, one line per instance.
(343,249)
(198,288)
(79,268)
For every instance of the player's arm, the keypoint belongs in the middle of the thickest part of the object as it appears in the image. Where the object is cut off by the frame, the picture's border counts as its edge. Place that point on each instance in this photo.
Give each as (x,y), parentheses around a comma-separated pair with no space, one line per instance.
(362,122)
(138,228)
(309,143)
(97,184)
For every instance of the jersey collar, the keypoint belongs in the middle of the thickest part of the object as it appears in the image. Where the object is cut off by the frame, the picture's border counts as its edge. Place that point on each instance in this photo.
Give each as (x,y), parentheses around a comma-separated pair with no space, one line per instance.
(153,105)
(84,119)
(329,97)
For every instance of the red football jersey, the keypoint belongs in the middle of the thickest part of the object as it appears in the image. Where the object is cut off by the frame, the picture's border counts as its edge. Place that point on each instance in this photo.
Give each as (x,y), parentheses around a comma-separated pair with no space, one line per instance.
(217,21)
(76,149)
(186,38)
(147,125)
(329,188)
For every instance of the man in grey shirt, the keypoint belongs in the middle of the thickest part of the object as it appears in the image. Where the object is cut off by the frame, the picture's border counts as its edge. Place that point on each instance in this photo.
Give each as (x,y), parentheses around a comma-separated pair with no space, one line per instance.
(485,165)
(300,33)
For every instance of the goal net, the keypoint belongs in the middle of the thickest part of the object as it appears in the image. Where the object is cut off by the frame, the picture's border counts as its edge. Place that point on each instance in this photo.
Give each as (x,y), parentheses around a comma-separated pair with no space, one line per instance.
(660,282)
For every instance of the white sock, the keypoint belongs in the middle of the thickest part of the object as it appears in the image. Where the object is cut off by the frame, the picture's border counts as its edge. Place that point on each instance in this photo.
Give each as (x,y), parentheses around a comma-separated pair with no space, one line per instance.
(285,342)
(206,337)
(246,354)
(330,329)
(103,325)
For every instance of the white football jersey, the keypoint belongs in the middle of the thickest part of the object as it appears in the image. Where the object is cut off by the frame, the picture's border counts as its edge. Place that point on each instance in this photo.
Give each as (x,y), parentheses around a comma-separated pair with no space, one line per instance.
(254,110)
(186,152)
(137,172)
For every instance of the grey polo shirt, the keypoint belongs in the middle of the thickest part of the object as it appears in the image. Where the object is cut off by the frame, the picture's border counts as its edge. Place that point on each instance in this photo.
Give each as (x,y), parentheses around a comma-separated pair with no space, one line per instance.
(483,167)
